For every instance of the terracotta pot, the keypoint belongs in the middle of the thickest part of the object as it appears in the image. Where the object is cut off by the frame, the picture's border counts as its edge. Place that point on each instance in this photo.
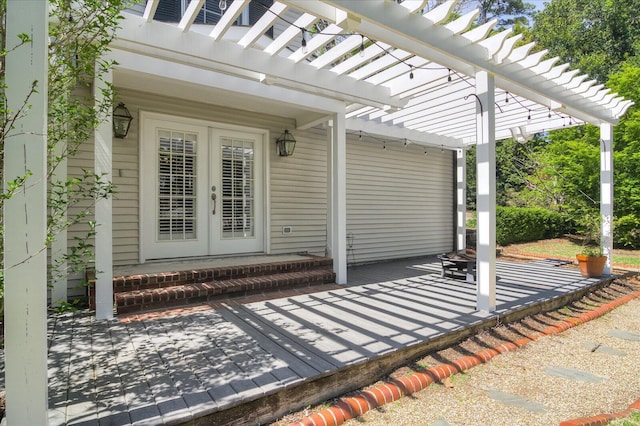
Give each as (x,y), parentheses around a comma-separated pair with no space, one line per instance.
(591,266)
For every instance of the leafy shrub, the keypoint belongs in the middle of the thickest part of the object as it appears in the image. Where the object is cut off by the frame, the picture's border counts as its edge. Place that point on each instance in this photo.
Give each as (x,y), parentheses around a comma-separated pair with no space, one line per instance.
(523,224)
(626,231)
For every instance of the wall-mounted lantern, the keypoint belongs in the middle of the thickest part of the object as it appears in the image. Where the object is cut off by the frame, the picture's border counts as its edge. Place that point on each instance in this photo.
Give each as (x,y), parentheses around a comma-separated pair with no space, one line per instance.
(121,121)
(286,143)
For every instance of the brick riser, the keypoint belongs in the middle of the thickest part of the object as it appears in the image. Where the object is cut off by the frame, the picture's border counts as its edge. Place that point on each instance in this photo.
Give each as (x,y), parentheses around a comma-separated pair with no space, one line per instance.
(194,293)
(169,279)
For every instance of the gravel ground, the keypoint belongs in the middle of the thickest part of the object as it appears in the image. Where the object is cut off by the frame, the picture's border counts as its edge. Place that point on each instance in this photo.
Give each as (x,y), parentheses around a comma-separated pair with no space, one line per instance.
(469,398)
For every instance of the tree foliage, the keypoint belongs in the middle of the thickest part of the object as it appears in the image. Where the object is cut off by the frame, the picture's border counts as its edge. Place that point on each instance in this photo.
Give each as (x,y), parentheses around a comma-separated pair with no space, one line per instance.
(595,36)
(560,170)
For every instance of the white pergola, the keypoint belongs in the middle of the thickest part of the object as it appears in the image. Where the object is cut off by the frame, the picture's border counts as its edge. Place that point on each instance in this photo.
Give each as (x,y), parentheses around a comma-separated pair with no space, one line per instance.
(380,67)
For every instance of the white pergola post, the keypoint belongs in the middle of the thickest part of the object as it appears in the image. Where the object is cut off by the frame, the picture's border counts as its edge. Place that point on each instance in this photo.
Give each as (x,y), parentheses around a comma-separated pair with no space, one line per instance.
(606,193)
(104,210)
(486,192)
(461,199)
(25,217)
(59,244)
(337,174)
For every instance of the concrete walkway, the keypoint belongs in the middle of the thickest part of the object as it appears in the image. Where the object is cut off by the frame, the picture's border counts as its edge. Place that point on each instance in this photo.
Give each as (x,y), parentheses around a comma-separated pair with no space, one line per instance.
(170,370)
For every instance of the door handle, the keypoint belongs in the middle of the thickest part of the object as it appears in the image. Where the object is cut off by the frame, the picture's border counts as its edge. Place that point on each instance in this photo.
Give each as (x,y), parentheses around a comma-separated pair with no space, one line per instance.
(214,199)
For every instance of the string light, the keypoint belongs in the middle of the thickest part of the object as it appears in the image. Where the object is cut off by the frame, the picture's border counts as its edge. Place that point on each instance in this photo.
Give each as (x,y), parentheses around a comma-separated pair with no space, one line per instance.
(360,136)
(361,51)
(405,142)
(425,152)
(304,41)
(441,148)
(387,51)
(222,5)
(384,144)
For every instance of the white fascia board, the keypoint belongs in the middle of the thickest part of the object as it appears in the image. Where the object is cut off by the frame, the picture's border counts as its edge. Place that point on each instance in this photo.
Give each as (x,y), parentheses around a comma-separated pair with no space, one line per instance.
(394,25)
(307,120)
(395,132)
(196,75)
(169,42)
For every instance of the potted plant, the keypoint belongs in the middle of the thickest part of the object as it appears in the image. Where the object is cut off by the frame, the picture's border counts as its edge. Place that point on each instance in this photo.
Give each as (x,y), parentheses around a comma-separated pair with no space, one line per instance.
(591,258)
(591,261)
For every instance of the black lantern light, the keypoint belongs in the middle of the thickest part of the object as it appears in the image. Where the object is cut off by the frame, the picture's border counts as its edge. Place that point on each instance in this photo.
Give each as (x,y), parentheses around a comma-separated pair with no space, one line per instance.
(286,143)
(121,121)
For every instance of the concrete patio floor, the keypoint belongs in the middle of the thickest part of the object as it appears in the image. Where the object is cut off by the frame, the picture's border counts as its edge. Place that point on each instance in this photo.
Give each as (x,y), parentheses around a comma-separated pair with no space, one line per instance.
(175,369)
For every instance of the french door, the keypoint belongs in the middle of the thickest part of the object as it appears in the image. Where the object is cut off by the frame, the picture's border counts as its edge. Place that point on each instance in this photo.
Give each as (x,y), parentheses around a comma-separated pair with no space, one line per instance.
(201,189)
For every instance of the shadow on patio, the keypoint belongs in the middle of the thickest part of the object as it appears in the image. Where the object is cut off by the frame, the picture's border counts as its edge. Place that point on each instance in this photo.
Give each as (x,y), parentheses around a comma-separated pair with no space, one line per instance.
(254,362)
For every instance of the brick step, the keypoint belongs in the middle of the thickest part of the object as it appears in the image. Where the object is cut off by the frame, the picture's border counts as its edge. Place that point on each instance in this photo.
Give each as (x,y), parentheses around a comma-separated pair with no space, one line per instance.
(169,279)
(193,293)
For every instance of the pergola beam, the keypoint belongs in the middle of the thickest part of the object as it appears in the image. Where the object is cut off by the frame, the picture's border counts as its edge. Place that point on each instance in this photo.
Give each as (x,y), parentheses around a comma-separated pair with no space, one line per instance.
(166,41)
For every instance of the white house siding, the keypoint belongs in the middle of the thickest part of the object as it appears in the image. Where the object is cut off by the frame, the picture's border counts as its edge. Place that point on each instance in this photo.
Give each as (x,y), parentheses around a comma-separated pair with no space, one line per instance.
(399,201)
(298,184)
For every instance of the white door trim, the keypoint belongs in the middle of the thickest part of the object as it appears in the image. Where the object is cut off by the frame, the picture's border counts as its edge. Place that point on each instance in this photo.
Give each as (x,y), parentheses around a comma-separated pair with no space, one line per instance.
(146,116)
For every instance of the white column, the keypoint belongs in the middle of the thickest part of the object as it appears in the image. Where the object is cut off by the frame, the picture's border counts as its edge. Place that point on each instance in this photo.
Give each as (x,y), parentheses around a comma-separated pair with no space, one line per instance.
(104,238)
(337,241)
(486,192)
(59,244)
(606,193)
(25,218)
(461,199)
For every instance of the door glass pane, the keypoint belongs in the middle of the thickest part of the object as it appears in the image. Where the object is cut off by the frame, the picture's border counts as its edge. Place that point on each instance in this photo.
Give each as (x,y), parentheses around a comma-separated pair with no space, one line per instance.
(176,186)
(238,207)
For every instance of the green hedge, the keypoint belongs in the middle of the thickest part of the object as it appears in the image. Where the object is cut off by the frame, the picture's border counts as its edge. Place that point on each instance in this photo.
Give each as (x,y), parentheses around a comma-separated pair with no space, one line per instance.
(523,224)
(626,231)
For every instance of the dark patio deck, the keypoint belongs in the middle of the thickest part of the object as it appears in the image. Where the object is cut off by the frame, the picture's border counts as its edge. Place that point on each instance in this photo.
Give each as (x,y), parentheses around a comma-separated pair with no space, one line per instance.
(259,360)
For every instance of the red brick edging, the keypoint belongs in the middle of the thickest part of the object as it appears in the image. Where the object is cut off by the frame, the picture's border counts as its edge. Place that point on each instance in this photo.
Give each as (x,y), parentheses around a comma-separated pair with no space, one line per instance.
(602,419)
(352,407)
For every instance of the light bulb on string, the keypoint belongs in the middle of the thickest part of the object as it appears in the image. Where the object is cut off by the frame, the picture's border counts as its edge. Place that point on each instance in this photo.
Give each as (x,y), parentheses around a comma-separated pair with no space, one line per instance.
(304,41)
(360,135)
(405,142)
(506,98)
(549,114)
(529,116)
(222,5)
(411,73)
(449,77)
(384,144)
(441,148)
(362,46)
(425,152)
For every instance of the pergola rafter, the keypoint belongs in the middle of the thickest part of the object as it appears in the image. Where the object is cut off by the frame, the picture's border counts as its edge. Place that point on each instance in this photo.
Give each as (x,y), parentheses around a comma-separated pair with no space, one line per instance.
(392,65)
